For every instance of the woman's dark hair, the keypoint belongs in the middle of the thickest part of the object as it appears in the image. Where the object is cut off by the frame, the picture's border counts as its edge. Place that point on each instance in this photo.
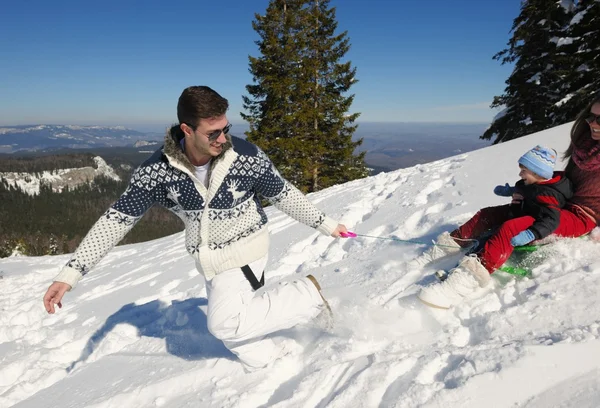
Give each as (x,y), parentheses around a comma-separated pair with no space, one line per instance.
(580,130)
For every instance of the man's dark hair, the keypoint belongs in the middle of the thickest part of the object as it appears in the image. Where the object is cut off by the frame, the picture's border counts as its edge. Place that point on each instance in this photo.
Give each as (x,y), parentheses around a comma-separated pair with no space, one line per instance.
(200,102)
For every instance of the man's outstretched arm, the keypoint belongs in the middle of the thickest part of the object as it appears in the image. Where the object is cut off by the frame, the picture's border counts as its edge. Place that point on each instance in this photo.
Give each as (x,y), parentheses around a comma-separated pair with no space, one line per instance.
(106,233)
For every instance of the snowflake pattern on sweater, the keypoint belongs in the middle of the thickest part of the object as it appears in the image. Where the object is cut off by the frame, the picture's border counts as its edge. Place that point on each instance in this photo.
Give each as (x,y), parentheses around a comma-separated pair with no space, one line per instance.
(233,212)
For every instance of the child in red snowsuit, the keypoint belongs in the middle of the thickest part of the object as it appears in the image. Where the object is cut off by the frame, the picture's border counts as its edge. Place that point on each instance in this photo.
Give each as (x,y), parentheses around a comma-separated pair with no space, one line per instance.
(533,214)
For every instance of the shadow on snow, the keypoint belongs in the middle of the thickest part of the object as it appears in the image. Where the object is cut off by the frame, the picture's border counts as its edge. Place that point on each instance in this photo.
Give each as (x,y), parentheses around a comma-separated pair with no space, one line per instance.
(182,324)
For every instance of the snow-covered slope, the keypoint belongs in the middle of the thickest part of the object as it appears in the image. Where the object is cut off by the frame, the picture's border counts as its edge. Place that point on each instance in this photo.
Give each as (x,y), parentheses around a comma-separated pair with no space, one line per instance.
(133,333)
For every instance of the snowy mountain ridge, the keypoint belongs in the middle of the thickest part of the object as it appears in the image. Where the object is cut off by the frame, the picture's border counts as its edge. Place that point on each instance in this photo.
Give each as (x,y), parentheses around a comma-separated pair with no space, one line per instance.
(29,128)
(60,178)
(133,333)
(40,137)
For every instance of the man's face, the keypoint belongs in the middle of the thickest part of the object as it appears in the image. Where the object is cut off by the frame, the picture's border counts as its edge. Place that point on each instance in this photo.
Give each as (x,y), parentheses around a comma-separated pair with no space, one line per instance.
(199,141)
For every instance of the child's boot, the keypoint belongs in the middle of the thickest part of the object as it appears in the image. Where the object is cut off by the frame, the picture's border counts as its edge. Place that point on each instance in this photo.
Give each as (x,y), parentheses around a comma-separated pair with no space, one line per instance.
(463,280)
(443,246)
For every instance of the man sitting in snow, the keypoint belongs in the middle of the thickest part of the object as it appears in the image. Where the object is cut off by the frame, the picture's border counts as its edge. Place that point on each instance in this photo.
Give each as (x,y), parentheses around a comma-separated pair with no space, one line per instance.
(533,214)
(213,182)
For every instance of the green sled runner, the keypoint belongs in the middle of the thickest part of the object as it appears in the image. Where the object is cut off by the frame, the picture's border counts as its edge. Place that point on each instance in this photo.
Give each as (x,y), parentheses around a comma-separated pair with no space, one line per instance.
(521,261)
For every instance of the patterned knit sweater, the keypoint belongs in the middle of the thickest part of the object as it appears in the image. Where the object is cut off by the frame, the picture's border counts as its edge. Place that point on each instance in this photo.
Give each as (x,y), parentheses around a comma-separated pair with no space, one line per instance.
(587,190)
(225,225)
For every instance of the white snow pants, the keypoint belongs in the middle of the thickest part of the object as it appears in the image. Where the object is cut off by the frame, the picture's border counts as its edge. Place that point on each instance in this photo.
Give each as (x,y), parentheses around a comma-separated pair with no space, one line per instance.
(241,317)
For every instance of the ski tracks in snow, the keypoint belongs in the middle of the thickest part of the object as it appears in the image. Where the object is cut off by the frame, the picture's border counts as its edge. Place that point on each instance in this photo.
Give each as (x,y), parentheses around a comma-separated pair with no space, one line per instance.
(416,216)
(404,361)
(424,351)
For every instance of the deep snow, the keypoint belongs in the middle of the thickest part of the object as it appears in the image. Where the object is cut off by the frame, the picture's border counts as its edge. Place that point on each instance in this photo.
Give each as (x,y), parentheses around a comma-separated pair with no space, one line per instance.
(133,333)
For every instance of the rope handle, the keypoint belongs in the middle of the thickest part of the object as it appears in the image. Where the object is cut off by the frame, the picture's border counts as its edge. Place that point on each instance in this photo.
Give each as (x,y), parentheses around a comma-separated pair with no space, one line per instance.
(350,234)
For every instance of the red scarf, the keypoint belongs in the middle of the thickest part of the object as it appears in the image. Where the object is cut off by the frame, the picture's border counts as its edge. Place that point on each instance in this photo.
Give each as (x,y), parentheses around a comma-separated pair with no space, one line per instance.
(587,155)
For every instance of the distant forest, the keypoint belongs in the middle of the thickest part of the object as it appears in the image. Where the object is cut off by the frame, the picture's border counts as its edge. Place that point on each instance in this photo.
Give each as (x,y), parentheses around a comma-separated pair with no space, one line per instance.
(45,163)
(53,223)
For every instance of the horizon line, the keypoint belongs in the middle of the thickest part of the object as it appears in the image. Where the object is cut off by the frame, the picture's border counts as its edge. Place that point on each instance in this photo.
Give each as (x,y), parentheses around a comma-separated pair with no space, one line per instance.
(234,122)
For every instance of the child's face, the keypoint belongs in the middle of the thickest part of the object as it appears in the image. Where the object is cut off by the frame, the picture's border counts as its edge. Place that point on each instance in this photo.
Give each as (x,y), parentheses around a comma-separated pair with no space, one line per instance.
(528,176)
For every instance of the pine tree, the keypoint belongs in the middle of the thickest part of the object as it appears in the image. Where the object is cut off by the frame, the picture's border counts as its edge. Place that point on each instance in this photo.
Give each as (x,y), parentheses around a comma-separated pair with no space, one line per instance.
(535,85)
(52,245)
(297,107)
(20,248)
(6,248)
(582,45)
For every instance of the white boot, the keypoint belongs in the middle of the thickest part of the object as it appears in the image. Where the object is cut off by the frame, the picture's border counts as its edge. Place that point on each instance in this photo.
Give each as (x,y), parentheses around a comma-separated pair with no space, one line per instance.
(465,279)
(443,246)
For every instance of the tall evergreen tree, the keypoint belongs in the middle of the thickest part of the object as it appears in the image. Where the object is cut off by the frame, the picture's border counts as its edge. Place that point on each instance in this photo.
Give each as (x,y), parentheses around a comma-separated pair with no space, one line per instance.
(535,85)
(298,105)
(582,45)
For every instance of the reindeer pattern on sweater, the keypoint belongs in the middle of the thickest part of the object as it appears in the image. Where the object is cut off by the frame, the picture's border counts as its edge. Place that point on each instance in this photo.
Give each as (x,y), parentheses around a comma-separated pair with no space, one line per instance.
(225,224)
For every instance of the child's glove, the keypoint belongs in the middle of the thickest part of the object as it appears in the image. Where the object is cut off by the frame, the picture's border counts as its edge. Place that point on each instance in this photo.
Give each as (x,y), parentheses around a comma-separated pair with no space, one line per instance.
(504,191)
(522,238)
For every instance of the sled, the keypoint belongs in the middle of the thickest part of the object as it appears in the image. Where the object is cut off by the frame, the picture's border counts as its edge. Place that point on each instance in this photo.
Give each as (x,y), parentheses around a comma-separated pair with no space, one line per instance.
(522,260)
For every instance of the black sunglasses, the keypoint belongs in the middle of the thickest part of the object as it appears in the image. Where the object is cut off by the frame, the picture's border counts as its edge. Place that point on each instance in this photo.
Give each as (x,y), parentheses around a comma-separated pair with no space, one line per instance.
(593,118)
(214,135)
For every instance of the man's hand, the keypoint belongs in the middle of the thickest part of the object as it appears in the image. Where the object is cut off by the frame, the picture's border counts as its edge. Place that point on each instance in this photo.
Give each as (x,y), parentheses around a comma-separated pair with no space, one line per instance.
(54,295)
(340,228)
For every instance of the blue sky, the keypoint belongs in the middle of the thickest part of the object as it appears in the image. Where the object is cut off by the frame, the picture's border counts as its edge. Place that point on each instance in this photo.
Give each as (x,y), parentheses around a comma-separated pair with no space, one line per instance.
(126,62)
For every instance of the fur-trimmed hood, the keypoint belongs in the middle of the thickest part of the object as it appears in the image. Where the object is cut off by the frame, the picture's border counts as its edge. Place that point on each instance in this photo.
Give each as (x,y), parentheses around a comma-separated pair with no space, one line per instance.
(172,147)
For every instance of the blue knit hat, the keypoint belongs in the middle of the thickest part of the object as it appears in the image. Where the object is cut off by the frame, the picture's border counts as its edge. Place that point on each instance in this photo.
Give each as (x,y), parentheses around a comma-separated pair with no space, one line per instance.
(540,160)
